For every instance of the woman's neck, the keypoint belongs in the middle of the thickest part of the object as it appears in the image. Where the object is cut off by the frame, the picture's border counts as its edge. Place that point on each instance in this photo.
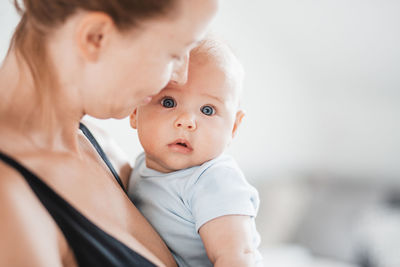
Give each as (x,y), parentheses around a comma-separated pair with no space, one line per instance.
(28,120)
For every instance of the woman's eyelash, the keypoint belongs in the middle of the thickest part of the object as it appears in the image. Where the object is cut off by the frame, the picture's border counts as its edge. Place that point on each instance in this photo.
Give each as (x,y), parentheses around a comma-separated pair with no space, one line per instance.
(176,57)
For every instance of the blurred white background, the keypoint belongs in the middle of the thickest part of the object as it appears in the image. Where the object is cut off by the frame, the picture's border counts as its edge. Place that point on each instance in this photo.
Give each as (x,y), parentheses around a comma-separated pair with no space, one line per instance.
(321,139)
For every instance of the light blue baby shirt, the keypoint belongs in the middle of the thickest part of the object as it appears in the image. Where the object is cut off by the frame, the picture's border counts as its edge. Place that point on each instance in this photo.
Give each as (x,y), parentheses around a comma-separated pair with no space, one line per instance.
(177,204)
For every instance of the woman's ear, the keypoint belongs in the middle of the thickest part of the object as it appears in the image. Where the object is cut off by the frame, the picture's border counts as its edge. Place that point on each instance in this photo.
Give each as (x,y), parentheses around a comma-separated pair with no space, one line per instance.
(93,33)
(238,120)
(132,118)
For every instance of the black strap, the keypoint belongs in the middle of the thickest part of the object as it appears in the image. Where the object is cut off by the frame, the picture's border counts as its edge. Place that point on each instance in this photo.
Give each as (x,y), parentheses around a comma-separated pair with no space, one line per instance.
(99,150)
(91,245)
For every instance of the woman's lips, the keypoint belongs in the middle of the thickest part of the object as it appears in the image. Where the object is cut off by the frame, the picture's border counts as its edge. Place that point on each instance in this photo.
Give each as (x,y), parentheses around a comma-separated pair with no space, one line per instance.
(181,146)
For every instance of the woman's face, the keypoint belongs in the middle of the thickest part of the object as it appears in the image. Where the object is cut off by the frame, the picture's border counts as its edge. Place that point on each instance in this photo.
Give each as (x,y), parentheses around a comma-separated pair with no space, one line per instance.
(142,62)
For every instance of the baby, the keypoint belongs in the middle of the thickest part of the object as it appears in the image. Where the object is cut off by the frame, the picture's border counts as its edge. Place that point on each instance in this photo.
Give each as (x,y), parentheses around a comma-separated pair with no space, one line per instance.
(195,196)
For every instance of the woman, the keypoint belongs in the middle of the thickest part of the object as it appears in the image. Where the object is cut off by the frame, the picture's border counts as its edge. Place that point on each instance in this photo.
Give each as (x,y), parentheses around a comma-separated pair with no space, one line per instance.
(61,201)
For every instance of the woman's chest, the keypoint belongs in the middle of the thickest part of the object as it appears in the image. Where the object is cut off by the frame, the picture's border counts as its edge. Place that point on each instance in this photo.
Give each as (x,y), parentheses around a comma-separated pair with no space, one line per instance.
(90,187)
(93,192)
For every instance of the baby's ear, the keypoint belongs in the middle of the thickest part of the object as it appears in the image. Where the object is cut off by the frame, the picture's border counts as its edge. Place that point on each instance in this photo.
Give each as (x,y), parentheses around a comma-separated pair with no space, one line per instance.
(132,118)
(238,120)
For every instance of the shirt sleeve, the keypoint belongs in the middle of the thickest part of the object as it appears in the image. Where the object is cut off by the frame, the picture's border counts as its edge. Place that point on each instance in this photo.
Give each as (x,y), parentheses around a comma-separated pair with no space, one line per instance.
(222,190)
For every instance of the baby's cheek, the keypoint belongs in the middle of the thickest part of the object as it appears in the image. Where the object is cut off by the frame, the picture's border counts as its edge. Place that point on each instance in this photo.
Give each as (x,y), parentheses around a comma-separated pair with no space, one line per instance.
(217,142)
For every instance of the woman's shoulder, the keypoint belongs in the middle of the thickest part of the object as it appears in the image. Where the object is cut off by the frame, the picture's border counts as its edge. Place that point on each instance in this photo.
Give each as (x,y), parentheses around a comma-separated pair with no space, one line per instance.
(24,222)
(13,187)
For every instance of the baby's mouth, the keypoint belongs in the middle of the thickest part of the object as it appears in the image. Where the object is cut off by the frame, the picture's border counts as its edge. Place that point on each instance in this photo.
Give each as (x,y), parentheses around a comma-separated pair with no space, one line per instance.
(181,145)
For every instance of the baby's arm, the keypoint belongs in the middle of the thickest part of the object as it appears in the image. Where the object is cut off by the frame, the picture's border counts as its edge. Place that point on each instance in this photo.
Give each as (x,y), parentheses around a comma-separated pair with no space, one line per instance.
(228,241)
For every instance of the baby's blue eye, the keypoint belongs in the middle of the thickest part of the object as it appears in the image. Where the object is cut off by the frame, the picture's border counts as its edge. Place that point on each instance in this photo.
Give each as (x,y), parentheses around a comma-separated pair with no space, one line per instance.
(207,110)
(168,102)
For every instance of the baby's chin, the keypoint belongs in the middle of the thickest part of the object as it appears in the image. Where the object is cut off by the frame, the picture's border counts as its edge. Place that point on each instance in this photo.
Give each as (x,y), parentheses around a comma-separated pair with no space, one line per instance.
(172,163)
(176,165)
(180,166)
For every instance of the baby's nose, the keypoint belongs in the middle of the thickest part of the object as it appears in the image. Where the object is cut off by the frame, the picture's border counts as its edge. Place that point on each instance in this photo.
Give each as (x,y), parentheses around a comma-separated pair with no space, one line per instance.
(186,121)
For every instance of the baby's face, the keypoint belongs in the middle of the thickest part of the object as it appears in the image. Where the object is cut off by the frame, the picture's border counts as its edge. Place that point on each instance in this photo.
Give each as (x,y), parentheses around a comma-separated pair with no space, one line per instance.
(186,125)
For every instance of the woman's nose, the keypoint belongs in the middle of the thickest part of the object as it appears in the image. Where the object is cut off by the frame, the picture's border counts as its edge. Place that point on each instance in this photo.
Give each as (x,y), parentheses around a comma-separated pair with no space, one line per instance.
(186,121)
(180,72)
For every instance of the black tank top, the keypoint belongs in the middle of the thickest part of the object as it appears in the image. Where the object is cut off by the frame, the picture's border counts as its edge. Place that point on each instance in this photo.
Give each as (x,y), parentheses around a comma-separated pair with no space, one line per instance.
(92,246)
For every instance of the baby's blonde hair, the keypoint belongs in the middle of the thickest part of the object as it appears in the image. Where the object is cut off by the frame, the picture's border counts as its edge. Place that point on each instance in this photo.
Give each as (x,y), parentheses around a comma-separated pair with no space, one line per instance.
(219,52)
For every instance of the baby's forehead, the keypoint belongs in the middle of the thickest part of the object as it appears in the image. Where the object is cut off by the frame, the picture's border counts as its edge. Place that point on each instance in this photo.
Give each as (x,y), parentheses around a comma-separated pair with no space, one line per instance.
(217,52)
(217,55)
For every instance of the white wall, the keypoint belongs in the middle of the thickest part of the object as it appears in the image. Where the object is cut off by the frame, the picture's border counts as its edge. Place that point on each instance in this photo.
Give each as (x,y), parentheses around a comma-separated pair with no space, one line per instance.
(323,84)
(322,91)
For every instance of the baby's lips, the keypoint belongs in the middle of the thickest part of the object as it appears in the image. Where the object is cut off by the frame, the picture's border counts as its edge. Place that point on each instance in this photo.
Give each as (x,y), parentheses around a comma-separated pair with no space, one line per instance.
(181,143)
